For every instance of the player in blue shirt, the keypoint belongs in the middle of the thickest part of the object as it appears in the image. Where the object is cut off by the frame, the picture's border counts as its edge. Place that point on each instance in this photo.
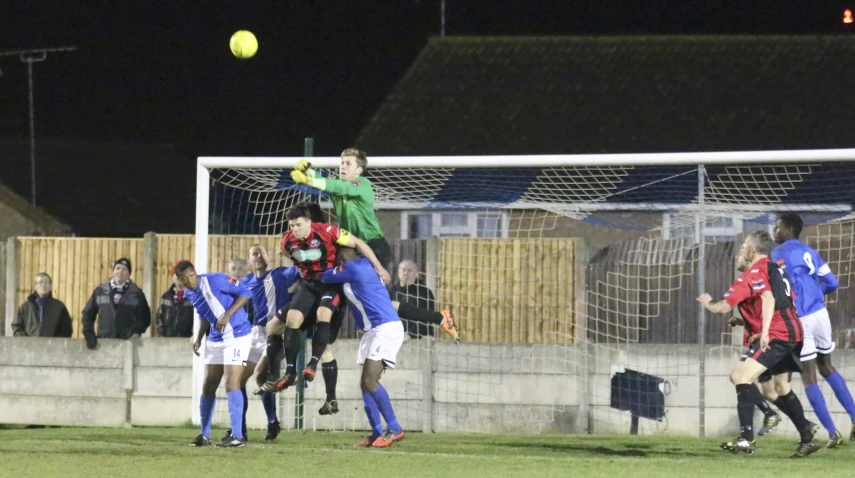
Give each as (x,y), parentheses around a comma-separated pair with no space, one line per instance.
(269,289)
(384,334)
(219,304)
(812,279)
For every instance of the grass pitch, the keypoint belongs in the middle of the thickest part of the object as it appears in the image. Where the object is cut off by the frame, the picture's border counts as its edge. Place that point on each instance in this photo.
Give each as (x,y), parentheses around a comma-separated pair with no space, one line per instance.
(163,452)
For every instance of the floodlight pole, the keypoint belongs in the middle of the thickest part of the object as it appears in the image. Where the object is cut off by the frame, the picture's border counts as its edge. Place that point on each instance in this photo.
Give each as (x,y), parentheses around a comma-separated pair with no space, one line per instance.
(442,18)
(30,56)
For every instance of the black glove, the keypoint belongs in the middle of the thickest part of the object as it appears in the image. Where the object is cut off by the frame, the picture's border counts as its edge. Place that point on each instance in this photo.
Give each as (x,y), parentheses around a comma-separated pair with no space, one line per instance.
(91,341)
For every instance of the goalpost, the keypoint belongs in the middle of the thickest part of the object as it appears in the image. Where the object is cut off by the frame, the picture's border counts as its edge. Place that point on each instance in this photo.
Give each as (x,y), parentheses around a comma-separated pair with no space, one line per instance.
(572,277)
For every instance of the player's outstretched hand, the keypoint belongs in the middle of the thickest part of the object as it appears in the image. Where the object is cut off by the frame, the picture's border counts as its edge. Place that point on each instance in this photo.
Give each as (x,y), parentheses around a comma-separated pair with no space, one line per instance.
(302,165)
(384,276)
(705,299)
(299,177)
(753,338)
(222,322)
(196,345)
(734,321)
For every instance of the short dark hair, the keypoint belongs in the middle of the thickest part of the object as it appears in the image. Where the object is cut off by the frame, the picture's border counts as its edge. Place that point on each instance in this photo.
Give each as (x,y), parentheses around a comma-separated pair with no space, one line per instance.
(182,267)
(307,210)
(345,254)
(793,222)
(762,242)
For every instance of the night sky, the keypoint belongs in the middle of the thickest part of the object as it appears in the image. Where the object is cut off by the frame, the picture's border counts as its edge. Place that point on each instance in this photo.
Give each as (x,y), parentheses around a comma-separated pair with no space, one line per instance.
(161,73)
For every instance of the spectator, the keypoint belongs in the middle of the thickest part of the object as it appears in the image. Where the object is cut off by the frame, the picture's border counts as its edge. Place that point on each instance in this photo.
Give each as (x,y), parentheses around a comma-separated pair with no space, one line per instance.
(175,315)
(412,291)
(119,305)
(42,315)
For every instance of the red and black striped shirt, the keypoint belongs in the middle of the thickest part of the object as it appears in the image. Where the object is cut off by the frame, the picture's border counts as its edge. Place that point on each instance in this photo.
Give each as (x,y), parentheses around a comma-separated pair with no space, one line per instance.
(316,253)
(765,275)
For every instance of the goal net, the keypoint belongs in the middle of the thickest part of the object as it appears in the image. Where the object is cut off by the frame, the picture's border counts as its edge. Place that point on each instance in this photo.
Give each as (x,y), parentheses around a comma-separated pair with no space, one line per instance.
(572,278)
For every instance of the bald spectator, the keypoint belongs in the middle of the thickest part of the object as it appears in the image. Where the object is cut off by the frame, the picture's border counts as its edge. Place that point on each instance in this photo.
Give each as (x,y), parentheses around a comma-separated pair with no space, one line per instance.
(411,290)
(42,315)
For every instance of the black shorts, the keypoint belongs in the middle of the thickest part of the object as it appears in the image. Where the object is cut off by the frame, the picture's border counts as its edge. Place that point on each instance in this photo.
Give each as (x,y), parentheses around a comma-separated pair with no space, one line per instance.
(381,249)
(311,295)
(780,357)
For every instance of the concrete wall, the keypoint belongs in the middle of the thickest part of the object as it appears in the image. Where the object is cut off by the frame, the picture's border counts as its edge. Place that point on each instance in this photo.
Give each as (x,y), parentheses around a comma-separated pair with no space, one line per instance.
(437,385)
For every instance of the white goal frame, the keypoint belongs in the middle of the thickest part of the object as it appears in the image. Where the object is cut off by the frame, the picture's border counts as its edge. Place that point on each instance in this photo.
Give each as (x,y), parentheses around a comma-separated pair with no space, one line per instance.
(700,159)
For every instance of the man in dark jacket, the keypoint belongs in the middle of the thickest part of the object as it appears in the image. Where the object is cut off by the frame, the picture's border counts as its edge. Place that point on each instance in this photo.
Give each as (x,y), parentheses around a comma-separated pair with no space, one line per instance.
(175,315)
(413,292)
(119,305)
(42,315)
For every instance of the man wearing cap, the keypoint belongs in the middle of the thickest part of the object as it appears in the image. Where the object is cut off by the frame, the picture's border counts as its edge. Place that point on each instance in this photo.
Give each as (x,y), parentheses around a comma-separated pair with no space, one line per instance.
(119,305)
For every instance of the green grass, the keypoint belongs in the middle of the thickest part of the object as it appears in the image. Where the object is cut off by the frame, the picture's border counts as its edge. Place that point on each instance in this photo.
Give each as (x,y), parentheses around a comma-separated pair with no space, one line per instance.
(163,452)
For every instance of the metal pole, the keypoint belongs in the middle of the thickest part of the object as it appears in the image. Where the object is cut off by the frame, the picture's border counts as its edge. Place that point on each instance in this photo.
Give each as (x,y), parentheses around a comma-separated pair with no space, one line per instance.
(308,151)
(32,132)
(442,18)
(29,57)
(701,222)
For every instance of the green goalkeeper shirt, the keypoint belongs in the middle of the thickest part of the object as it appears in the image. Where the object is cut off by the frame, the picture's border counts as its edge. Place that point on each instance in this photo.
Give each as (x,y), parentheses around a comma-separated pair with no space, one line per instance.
(353,202)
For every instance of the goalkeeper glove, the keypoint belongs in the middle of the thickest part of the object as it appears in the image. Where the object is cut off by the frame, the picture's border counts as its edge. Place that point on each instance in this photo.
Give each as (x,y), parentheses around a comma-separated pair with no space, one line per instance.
(302,165)
(300,178)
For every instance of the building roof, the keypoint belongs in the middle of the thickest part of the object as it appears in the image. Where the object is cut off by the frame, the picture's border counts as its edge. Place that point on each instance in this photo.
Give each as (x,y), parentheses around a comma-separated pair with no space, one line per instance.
(597,94)
(43,220)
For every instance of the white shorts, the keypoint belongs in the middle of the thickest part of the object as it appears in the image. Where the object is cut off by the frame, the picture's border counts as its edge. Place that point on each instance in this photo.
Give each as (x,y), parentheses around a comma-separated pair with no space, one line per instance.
(258,348)
(233,351)
(817,335)
(382,343)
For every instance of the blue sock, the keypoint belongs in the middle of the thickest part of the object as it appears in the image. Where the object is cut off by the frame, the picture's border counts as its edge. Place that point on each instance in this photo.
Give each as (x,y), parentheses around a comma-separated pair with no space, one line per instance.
(269,401)
(245,408)
(236,412)
(206,411)
(385,405)
(817,401)
(841,391)
(373,414)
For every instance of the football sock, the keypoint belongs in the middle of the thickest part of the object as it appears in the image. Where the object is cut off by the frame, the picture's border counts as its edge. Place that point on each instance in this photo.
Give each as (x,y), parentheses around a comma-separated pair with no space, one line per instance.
(410,312)
(373,414)
(841,391)
(291,350)
(236,412)
(385,405)
(745,400)
(206,412)
(274,356)
(817,402)
(320,340)
(269,401)
(330,371)
(792,407)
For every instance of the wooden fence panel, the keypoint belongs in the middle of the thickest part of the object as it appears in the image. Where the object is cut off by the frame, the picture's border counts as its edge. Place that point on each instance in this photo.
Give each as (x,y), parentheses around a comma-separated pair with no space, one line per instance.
(510,290)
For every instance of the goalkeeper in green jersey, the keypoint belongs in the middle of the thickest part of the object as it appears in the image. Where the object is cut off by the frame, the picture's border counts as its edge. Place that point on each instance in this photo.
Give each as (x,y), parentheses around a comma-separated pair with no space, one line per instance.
(353,200)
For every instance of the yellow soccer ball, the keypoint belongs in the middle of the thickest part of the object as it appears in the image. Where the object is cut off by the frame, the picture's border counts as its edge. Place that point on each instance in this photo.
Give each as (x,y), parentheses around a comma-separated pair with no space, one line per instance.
(243,44)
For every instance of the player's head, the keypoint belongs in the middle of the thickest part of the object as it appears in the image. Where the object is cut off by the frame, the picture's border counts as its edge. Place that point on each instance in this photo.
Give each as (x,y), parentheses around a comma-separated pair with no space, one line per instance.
(236,269)
(121,270)
(789,226)
(186,274)
(757,245)
(354,162)
(408,272)
(300,221)
(345,254)
(258,258)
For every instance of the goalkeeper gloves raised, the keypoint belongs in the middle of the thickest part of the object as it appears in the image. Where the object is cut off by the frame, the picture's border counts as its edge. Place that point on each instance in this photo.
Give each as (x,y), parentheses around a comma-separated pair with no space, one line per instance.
(302,165)
(300,177)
